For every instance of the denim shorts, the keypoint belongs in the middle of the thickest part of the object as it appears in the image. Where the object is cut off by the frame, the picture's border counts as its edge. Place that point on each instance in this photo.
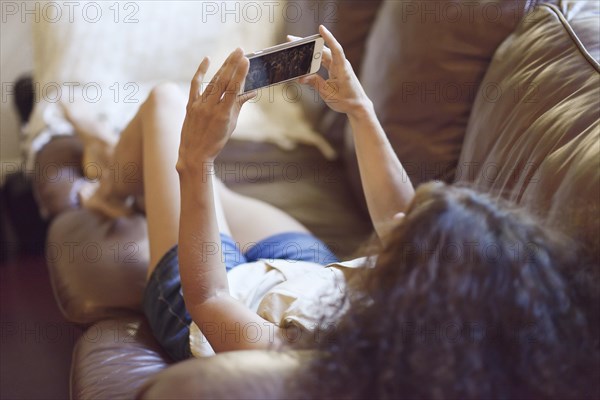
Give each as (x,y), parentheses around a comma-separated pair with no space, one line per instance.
(163,302)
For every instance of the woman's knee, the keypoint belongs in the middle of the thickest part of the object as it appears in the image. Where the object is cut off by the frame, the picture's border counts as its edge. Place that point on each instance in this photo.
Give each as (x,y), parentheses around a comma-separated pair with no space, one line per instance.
(165,96)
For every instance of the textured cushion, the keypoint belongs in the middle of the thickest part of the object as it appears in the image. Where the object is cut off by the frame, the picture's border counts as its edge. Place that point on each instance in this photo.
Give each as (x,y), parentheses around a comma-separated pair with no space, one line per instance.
(538,141)
(58,173)
(232,375)
(422,68)
(114,358)
(97,265)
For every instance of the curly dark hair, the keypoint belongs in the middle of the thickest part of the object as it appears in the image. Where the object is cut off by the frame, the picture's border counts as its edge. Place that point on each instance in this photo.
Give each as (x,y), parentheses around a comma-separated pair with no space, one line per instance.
(466,300)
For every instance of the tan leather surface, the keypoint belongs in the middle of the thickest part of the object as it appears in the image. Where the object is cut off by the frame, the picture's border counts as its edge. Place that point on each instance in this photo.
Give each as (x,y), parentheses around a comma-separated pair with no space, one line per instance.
(57,170)
(538,143)
(97,265)
(114,358)
(256,374)
(581,17)
(422,69)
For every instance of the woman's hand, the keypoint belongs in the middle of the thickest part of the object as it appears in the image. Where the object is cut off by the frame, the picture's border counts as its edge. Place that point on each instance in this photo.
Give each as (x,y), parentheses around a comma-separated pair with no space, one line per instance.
(212,115)
(341,91)
(385,184)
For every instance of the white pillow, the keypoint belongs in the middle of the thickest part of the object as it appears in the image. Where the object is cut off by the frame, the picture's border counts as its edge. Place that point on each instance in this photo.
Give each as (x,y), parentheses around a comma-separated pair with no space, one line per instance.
(106,56)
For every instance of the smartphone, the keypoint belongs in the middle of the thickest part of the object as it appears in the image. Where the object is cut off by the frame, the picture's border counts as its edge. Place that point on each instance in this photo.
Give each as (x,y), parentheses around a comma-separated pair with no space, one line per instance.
(283,62)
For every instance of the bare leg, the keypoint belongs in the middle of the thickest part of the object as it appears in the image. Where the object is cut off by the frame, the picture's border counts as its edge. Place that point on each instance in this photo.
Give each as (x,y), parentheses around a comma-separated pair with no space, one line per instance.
(114,170)
(157,128)
(143,163)
(97,136)
(161,120)
(252,220)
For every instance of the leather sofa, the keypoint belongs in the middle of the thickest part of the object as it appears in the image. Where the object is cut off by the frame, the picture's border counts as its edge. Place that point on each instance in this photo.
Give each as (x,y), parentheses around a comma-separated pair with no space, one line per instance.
(497,95)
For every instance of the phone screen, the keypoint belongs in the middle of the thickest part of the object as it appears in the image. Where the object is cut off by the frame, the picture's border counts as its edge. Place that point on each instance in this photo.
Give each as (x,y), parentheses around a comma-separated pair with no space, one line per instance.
(279,66)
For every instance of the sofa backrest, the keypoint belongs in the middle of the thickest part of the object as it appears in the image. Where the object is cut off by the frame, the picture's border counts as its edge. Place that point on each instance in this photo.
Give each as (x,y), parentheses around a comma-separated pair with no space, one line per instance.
(422,66)
(534,132)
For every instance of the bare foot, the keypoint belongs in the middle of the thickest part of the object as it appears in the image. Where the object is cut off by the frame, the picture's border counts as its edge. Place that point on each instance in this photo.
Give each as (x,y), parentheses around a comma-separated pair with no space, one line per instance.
(94,197)
(97,136)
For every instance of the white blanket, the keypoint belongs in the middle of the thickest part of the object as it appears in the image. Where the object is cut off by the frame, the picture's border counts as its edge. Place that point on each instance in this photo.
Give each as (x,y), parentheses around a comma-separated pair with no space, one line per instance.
(106,56)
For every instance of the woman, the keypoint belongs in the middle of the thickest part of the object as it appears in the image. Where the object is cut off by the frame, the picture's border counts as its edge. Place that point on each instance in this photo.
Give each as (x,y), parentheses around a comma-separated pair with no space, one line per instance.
(465,299)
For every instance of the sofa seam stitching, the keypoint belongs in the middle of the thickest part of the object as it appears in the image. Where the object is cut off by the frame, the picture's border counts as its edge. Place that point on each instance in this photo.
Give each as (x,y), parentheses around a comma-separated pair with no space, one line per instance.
(578,44)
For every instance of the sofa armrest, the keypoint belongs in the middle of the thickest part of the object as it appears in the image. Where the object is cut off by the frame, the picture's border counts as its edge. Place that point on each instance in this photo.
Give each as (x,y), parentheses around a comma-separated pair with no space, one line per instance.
(114,357)
(57,174)
(233,375)
(97,264)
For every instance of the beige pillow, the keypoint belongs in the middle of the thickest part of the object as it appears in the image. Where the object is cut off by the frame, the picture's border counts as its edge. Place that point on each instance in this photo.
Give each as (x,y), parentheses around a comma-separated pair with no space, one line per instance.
(538,144)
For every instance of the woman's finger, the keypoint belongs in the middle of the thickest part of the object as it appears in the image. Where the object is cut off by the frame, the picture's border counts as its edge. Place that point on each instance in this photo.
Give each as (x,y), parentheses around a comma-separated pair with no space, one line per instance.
(319,84)
(307,80)
(230,77)
(218,73)
(197,80)
(292,38)
(326,58)
(242,98)
(235,83)
(399,216)
(337,52)
(328,89)
(218,84)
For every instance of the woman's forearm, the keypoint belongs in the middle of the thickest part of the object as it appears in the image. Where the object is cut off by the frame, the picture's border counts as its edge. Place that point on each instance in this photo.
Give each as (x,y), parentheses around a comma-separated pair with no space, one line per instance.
(201,266)
(387,187)
(203,275)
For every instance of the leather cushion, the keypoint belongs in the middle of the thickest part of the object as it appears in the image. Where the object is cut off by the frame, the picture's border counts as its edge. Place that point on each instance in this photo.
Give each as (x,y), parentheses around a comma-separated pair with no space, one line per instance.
(251,374)
(57,171)
(114,358)
(536,141)
(97,265)
(422,69)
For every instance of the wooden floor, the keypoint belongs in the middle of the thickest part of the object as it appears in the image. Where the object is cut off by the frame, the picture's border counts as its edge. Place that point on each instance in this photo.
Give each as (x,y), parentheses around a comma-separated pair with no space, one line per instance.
(36,342)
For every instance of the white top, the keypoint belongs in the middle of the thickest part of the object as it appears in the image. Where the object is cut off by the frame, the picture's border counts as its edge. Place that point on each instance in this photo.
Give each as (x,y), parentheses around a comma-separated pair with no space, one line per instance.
(285,292)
